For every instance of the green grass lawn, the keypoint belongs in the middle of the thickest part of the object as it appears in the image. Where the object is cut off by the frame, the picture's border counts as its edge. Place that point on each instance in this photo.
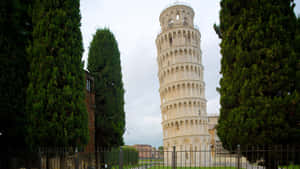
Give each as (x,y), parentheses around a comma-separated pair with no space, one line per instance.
(290,167)
(168,167)
(164,167)
(127,166)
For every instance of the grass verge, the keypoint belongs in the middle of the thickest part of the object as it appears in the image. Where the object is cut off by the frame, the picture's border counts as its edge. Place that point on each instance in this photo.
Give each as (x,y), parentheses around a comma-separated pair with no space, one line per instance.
(165,167)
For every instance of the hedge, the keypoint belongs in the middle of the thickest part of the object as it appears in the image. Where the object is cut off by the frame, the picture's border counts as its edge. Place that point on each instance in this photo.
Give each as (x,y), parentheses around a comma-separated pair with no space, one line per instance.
(130,156)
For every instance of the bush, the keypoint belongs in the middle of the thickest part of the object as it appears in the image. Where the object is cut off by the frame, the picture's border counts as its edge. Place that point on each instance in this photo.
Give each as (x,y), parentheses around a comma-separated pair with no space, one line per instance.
(130,156)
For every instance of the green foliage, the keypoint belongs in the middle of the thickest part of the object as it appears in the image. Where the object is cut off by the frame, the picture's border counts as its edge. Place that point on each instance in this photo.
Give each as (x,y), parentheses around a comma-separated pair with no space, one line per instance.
(14,36)
(56,111)
(130,156)
(260,85)
(104,64)
(161,150)
(15,33)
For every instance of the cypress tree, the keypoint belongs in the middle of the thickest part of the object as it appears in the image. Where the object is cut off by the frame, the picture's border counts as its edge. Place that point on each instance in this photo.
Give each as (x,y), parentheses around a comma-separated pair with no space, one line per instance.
(15,32)
(259,87)
(104,64)
(56,112)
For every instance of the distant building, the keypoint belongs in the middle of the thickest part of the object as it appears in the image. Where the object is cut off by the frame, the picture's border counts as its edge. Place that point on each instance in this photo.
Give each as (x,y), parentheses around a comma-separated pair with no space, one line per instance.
(144,150)
(215,142)
(214,139)
(212,123)
(147,151)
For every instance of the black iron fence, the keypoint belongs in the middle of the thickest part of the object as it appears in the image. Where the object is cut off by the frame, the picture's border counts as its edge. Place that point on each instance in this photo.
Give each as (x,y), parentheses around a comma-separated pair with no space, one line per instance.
(242,157)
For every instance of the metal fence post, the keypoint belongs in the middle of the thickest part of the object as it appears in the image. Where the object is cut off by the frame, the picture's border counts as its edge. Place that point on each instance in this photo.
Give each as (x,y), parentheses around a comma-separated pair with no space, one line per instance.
(121,158)
(238,156)
(13,163)
(174,158)
(40,159)
(76,159)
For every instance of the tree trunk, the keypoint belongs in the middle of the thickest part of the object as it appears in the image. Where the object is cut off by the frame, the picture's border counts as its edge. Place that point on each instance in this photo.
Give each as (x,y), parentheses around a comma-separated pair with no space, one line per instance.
(13,163)
(47,161)
(62,161)
(271,162)
(102,162)
(89,160)
(96,156)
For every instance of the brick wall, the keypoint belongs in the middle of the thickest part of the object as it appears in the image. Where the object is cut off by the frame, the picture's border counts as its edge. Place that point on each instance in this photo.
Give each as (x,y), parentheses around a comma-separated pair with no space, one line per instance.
(90,105)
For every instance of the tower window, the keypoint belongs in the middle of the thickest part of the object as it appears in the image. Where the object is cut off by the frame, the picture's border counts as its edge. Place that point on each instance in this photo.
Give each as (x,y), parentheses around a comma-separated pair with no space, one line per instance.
(177,126)
(185,21)
(171,22)
(171,41)
(177,17)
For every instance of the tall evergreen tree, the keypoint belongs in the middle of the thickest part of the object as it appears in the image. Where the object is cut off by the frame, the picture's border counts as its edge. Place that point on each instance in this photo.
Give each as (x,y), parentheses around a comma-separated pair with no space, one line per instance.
(104,64)
(56,112)
(15,34)
(260,74)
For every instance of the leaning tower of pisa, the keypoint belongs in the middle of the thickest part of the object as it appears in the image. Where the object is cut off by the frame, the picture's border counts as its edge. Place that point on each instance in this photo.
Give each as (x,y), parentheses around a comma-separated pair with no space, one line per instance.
(182,89)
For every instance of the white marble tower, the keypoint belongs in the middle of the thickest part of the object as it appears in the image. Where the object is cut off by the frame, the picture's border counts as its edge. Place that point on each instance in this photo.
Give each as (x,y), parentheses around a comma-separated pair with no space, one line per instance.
(182,89)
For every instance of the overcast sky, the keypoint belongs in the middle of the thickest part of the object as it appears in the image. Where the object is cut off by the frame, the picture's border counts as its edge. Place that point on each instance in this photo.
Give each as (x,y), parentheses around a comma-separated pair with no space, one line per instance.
(135,24)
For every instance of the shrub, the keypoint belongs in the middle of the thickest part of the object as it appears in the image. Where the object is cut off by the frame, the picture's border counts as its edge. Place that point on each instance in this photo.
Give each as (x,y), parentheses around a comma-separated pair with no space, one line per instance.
(130,156)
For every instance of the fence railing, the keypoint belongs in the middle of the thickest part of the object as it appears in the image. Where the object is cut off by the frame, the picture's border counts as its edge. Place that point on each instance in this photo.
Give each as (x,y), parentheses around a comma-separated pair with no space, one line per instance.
(242,157)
